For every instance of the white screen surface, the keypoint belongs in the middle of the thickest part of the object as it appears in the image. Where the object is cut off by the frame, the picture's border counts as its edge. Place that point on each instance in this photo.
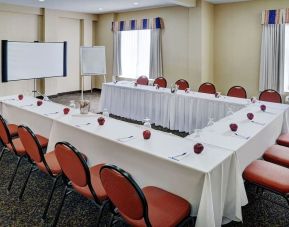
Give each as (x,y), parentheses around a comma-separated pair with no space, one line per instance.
(92,60)
(34,60)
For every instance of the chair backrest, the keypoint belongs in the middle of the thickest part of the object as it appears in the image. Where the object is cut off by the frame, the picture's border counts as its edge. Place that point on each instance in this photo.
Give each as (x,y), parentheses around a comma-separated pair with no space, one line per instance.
(72,164)
(4,132)
(142,80)
(32,146)
(238,92)
(124,193)
(183,84)
(30,143)
(161,81)
(208,88)
(270,95)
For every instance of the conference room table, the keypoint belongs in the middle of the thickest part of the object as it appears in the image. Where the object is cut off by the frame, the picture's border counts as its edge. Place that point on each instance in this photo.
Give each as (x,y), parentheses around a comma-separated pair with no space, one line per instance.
(177,111)
(210,181)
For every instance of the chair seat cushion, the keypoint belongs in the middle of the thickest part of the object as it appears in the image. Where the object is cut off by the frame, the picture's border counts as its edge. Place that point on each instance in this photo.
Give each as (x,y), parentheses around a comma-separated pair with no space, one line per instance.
(268,175)
(52,162)
(96,184)
(13,129)
(165,208)
(20,150)
(42,140)
(278,155)
(283,140)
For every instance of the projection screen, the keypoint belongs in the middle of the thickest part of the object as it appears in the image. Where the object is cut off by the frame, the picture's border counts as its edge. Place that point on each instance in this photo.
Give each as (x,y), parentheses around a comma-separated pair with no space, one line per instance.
(33,60)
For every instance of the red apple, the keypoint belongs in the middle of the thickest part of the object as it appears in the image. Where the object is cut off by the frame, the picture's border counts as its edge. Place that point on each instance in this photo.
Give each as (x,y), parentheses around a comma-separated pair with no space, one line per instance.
(198,148)
(66,110)
(250,116)
(233,127)
(263,107)
(146,134)
(39,102)
(20,97)
(101,120)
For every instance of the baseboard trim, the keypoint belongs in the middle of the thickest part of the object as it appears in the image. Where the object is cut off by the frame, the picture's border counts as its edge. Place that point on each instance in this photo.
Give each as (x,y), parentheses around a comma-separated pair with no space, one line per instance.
(74,92)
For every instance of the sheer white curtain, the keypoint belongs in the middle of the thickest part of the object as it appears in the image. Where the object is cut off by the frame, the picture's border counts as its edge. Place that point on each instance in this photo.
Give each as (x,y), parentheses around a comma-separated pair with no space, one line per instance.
(135,53)
(272,57)
(156,63)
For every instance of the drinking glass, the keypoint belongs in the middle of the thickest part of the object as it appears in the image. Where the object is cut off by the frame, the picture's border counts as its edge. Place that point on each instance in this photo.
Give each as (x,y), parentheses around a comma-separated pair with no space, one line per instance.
(72,104)
(197,133)
(229,111)
(114,79)
(147,123)
(211,122)
(105,113)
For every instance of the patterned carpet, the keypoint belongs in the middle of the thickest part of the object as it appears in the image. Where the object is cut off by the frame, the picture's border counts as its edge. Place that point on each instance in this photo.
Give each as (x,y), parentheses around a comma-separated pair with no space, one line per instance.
(79,211)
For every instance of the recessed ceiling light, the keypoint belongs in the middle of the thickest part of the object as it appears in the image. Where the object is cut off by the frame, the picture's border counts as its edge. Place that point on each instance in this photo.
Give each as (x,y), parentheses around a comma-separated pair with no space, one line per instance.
(41,0)
(100,8)
(135,3)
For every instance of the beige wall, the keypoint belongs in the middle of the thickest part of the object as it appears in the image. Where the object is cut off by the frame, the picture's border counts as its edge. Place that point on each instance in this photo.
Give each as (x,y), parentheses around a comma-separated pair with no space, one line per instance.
(238,41)
(30,24)
(217,43)
(187,40)
(13,26)
(174,38)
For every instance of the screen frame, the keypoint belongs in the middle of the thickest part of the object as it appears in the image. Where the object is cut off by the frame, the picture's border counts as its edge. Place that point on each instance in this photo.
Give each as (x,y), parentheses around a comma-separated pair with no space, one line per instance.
(4,58)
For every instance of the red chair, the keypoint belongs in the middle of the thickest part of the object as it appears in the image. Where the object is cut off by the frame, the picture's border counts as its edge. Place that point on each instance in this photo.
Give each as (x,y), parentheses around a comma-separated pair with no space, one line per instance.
(161,81)
(142,80)
(46,163)
(79,177)
(268,176)
(283,140)
(238,92)
(150,206)
(277,154)
(270,95)
(183,84)
(208,88)
(15,146)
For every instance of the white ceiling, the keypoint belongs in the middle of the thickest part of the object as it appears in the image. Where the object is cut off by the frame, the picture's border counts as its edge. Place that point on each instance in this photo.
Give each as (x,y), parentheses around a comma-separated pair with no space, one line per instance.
(102,6)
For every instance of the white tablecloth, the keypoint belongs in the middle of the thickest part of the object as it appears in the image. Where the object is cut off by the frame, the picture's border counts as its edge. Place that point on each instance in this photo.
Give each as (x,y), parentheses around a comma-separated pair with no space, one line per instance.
(267,126)
(211,182)
(181,111)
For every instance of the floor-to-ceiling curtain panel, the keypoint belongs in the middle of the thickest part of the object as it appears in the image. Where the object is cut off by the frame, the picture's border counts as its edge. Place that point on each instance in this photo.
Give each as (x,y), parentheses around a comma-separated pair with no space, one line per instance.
(156,61)
(117,53)
(272,50)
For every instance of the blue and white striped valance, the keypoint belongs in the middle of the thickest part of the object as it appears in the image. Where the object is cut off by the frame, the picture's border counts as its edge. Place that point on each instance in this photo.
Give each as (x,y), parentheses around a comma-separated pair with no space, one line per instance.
(154,23)
(275,16)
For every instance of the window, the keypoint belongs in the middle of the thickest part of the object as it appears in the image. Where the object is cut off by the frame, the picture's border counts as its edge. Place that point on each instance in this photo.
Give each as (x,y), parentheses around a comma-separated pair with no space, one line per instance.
(135,53)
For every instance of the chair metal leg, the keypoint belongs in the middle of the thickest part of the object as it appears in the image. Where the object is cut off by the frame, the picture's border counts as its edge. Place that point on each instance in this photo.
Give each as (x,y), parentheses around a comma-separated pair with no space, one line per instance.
(111,220)
(103,205)
(189,221)
(14,174)
(59,208)
(2,152)
(25,183)
(55,180)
